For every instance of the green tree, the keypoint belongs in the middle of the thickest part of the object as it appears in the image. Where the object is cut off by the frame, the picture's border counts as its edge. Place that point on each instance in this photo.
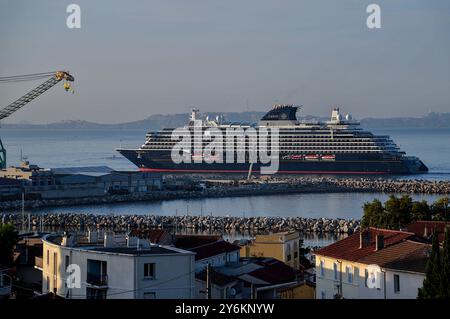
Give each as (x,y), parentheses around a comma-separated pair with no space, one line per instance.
(373,214)
(404,214)
(8,238)
(445,275)
(398,211)
(440,209)
(420,211)
(431,285)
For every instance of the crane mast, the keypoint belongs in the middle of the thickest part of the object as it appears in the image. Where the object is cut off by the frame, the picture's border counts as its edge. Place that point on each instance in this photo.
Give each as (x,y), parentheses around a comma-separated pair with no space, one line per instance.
(55,77)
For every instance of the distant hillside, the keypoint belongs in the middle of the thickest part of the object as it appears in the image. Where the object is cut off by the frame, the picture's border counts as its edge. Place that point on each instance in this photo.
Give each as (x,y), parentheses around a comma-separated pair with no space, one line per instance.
(432,120)
(156,122)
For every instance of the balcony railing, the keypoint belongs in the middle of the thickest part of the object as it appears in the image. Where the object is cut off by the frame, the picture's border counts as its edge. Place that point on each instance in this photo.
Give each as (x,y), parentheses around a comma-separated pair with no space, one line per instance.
(97,280)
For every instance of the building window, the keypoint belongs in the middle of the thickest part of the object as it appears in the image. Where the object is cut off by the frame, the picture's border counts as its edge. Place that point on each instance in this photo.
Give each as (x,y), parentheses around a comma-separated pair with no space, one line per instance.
(48,284)
(149,271)
(349,274)
(96,272)
(289,257)
(322,295)
(67,261)
(397,284)
(322,268)
(366,277)
(335,271)
(48,257)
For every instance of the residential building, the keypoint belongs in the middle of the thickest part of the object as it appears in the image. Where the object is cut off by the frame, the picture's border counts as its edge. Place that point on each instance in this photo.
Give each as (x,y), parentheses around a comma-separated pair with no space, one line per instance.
(284,246)
(302,290)
(211,250)
(117,267)
(425,229)
(372,264)
(222,286)
(28,264)
(5,282)
(250,278)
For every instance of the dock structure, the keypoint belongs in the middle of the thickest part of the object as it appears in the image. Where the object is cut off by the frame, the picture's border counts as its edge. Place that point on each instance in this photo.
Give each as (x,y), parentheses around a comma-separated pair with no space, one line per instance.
(73,182)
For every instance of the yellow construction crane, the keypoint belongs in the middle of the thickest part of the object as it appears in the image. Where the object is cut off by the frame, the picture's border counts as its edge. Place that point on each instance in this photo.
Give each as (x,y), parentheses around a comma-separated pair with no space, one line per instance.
(52,78)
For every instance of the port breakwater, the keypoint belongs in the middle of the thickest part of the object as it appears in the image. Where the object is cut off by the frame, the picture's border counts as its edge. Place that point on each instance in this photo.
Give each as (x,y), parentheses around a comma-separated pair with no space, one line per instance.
(120,223)
(256,187)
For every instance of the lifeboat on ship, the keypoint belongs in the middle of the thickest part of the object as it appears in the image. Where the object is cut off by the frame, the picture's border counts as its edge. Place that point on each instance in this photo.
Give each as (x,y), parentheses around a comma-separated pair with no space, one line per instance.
(312,157)
(329,157)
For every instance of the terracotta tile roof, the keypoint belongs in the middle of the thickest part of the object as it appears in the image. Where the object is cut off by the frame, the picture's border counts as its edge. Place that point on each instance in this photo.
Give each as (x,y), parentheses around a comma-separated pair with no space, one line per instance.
(415,261)
(192,241)
(156,236)
(213,249)
(217,278)
(406,255)
(273,271)
(401,250)
(424,229)
(349,248)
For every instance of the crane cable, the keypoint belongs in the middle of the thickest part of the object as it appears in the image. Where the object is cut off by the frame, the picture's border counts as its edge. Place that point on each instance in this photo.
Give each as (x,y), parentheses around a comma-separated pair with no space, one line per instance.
(26,77)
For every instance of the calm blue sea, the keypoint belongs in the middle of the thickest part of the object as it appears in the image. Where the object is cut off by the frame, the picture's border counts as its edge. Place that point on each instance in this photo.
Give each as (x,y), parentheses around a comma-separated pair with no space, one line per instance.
(63,148)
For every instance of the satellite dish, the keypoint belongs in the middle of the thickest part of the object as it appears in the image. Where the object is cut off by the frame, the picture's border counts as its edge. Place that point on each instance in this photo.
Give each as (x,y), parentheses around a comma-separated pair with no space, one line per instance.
(232,292)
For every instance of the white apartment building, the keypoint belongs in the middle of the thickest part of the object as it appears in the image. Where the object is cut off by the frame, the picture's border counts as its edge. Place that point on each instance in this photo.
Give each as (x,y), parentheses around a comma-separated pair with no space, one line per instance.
(116,268)
(374,264)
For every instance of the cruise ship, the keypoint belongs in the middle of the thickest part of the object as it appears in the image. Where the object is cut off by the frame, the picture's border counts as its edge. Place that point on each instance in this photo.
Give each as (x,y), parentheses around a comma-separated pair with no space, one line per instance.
(337,146)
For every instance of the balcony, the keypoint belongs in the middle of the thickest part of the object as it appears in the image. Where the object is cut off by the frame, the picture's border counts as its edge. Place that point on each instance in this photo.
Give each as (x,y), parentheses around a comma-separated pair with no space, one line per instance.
(96,273)
(97,280)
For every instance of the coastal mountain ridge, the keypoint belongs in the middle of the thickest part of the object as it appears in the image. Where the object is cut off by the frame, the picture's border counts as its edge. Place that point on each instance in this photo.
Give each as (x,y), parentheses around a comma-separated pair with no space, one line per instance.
(159,121)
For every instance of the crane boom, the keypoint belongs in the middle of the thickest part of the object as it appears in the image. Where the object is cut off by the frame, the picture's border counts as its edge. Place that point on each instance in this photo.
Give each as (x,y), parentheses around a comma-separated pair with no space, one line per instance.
(30,96)
(19,103)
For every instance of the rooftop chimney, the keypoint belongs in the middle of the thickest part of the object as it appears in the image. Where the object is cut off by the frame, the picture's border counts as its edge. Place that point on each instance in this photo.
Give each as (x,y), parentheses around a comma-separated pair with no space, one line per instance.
(109,240)
(92,236)
(68,240)
(379,242)
(364,238)
(425,232)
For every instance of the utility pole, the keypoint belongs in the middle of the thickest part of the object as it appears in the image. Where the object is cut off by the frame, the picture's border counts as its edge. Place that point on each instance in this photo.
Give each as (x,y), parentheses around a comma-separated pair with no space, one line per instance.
(23,209)
(208,281)
(176,221)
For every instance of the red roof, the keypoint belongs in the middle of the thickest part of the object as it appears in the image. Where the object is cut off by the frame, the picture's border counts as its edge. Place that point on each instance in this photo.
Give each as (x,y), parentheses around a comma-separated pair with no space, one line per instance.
(214,249)
(424,229)
(217,278)
(156,236)
(192,241)
(273,271)
(349,248)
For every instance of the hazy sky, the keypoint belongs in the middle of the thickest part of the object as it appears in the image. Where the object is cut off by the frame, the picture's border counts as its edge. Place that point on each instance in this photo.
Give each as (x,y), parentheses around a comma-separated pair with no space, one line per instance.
(132,59)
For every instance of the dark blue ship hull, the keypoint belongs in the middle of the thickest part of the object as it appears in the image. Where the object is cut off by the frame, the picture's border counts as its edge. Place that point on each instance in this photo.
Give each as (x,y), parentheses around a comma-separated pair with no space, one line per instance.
(159,161)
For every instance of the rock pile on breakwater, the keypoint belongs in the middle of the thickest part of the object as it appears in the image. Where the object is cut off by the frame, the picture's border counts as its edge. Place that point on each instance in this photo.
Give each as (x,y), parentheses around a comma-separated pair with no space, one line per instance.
(263,186)
(382,185)
(331,184)
(224,223)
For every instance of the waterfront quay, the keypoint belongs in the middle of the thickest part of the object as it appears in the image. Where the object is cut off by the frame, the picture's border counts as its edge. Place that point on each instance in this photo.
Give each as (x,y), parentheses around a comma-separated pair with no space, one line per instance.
(80,221)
